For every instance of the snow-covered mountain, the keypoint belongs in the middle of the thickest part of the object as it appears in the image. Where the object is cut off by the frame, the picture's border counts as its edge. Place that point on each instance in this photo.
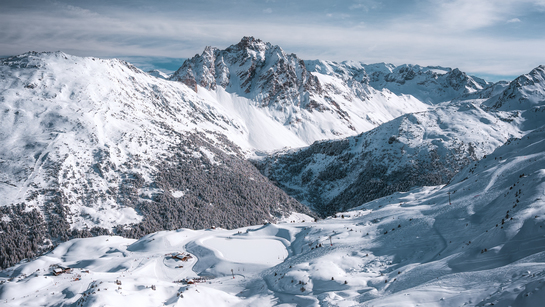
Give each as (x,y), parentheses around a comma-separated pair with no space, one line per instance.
(431,84)
(524,93)
(89,146)
(424,148)
(478,241)
(310,104)
(92,147)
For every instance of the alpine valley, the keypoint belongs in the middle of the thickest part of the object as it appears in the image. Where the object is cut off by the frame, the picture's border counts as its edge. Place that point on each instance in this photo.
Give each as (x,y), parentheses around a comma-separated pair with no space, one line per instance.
(251,177)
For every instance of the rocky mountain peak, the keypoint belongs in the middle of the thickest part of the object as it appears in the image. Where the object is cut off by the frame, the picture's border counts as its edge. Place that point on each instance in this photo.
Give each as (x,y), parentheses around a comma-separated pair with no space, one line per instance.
(295,92)
(536,76)
(253,69)
(458,79)
(523,93)
(208,51)
(251,43)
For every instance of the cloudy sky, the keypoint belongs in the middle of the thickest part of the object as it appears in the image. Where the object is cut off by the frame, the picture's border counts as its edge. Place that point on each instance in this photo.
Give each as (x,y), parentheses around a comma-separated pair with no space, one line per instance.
(495,39)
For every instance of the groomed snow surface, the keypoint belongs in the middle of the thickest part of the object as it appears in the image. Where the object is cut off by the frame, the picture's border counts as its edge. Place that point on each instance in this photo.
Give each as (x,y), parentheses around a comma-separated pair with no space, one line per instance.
(483,247)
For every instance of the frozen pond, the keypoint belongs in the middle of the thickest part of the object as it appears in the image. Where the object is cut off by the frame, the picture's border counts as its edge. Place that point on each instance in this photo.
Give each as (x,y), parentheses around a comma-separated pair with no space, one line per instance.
(257,251)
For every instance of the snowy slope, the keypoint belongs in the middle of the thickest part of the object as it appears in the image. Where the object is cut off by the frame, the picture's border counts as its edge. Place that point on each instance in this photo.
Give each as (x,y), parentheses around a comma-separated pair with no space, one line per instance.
(89,145)
(310,106)
(424,148)
(483,246)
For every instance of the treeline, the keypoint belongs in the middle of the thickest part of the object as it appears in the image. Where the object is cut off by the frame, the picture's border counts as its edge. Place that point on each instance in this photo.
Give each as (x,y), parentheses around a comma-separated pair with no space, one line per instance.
(309,174)
(228,192)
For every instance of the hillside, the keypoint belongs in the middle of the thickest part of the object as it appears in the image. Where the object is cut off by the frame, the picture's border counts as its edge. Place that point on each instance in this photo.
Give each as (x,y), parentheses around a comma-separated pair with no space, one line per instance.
(414,150)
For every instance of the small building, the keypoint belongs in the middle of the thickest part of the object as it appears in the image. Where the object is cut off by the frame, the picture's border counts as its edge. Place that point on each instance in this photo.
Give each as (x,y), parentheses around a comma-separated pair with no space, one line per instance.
(192,281)
(182,256)
(59,269)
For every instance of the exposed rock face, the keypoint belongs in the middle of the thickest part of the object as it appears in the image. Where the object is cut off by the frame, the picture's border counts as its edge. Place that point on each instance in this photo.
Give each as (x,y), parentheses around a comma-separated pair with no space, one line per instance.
(254,69)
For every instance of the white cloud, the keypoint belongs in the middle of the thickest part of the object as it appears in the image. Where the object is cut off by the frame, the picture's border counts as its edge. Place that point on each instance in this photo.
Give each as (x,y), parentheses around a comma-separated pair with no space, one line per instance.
(365,5)
(465,15)
(513,20)
(539,3)
(462,15)
(400,39)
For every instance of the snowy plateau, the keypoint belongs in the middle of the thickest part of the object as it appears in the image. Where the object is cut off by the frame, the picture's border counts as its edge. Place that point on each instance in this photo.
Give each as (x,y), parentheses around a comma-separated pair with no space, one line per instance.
(251,177)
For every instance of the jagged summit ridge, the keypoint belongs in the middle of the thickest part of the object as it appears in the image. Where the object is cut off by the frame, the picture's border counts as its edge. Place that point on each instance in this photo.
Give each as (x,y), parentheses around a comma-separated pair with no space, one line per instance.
(322,99)
(313,105)
(251,68)
(430,84)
